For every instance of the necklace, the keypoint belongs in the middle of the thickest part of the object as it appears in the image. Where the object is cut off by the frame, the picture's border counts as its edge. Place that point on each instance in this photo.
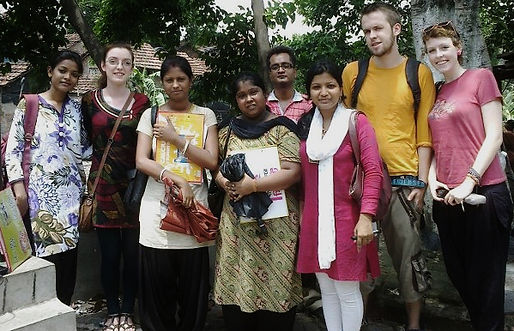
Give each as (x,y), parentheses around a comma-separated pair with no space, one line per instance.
(188,109)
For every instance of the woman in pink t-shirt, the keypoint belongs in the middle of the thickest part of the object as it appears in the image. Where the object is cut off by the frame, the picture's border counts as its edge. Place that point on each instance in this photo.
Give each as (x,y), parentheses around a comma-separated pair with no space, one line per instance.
(466,126)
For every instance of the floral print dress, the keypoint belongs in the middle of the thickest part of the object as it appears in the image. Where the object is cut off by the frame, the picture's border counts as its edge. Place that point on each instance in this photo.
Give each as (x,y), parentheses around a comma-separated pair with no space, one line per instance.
(56,174)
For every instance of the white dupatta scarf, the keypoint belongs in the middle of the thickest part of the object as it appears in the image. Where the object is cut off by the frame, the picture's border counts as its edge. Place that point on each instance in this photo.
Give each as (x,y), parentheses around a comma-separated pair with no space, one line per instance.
(322,149)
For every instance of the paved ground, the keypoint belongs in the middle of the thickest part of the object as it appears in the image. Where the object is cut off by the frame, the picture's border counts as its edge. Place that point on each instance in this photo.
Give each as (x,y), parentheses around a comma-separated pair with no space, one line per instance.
(443,311)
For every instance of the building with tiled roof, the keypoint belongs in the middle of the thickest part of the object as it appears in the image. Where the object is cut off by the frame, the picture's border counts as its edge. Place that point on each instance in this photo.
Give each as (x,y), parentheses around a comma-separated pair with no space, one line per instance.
(17,69)
(144,58)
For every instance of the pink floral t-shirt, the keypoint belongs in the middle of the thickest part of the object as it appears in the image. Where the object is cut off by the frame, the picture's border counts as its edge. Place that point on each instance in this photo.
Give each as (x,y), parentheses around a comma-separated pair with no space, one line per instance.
(458,130)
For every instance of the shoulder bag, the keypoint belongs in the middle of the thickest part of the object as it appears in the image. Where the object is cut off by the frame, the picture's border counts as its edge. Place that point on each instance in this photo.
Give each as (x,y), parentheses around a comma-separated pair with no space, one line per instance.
(137,181)
(86,206)
(357,181)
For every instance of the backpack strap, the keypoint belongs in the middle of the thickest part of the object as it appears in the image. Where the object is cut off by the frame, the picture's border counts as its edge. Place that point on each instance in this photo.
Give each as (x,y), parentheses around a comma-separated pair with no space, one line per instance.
(153,115)
(411,72)
(29,125)
(438,86)
(361,75)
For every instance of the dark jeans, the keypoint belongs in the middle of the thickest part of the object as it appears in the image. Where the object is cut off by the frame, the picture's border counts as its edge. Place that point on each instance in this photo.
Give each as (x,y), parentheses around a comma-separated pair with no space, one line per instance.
(475,244)
(113,244)
(65,273)
(261,320)
(174,288)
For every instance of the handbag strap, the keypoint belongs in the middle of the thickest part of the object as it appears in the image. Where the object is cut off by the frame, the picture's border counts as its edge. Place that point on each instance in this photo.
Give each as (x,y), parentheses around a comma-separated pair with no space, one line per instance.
(226,141)
(352,130)
(109,142)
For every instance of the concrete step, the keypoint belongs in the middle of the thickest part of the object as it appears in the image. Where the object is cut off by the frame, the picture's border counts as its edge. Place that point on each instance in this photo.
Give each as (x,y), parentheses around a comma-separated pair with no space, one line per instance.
(51,315)
(31,283)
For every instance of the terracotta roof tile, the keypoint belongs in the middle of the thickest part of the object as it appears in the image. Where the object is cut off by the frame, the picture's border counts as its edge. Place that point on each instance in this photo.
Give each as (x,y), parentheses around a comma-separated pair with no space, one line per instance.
(17,70)
(85,84)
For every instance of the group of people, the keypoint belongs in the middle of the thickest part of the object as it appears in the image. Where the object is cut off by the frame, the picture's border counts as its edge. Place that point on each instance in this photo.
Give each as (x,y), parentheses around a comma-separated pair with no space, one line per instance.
(446,140)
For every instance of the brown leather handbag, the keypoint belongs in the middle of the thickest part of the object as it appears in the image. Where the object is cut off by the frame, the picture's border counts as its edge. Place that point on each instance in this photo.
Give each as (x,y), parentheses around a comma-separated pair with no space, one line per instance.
(197,220)
(87,204)
(357,181)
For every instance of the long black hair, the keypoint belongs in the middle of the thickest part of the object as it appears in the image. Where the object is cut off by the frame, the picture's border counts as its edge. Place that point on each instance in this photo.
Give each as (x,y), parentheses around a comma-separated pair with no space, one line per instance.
(66,54)
(319,67)
(179,62)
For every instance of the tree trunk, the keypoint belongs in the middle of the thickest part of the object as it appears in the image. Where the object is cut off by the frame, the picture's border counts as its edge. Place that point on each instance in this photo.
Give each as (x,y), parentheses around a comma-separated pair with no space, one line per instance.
(467,20)
(262,39)
(465,15)
(76,19)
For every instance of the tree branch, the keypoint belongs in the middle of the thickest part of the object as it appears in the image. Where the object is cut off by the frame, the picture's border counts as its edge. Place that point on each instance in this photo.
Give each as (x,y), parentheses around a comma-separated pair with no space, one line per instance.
(76,19)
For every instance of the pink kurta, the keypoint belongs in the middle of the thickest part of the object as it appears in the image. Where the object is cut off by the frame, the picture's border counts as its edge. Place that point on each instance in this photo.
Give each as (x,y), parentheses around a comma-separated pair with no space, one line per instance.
(349,265)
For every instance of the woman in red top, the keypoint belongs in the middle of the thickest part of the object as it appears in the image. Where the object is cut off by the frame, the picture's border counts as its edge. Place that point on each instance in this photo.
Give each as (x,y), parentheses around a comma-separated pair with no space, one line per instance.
(117,229)
(330,216)
(466,126)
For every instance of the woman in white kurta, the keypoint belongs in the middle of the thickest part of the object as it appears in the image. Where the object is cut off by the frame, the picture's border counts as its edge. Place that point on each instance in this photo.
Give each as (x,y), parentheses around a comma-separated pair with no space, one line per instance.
(56,175)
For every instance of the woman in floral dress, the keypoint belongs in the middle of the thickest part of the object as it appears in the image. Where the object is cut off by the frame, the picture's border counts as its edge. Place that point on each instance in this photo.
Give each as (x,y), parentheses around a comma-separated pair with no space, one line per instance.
(117,229)
(56,174)
(256,282)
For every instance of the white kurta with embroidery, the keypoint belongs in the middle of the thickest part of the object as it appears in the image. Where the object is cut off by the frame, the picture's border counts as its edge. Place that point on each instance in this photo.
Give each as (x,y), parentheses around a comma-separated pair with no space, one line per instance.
(56,173)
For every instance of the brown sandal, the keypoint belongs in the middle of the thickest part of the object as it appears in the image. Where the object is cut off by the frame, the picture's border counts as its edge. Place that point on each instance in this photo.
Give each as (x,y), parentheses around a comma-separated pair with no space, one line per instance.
(112,323)
(127,322)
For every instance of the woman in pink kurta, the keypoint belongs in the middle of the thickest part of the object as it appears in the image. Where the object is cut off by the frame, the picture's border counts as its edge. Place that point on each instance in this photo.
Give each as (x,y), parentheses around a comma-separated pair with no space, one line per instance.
(329,213)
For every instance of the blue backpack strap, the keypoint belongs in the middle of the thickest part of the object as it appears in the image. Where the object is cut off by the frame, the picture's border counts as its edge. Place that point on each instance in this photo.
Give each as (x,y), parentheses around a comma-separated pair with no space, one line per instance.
(411,72)
(361,75)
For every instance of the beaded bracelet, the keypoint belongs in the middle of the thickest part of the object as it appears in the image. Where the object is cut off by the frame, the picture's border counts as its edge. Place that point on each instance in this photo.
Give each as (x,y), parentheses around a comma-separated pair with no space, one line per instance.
(475,174)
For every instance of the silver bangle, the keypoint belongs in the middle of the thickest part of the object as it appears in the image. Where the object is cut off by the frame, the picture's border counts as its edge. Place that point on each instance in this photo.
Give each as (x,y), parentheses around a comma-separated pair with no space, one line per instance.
(186,145)
(162,173)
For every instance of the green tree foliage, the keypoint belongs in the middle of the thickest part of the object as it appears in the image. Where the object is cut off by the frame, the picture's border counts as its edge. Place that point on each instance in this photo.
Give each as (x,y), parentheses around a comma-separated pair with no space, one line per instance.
(30,31)
(149,84)
(497,21)
(227,51)
(337,34)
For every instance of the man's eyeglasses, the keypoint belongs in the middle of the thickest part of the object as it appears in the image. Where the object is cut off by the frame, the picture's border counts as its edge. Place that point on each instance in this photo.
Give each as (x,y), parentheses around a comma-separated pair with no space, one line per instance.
(285,66)
(444,25)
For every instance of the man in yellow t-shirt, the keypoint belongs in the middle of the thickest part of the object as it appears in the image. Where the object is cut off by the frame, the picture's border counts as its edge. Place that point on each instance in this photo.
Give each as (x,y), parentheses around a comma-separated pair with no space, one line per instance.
(403,138)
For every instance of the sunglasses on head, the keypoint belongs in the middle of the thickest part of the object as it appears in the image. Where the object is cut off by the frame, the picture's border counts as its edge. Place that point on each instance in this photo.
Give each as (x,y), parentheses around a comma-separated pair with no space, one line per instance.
(444,25)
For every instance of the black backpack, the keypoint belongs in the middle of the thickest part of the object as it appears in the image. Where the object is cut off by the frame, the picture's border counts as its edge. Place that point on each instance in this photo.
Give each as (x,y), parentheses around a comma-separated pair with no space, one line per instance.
(411,71)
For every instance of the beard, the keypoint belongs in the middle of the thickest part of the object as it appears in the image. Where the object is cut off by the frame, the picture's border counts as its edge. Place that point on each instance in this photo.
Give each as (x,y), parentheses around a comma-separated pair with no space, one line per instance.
(387,46)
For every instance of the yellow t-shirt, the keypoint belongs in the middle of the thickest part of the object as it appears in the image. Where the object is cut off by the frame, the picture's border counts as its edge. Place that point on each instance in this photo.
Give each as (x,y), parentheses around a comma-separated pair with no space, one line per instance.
(387,101)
